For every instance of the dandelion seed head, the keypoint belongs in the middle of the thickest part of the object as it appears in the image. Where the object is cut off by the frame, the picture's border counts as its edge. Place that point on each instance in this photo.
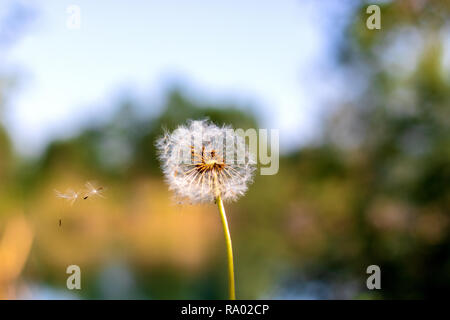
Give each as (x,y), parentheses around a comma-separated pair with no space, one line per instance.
(201,161)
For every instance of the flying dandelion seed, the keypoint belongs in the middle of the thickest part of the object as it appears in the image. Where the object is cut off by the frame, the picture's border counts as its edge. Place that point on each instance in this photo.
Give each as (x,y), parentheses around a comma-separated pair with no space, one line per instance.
(70,195)
(198,161)
(93,191)
(208,172)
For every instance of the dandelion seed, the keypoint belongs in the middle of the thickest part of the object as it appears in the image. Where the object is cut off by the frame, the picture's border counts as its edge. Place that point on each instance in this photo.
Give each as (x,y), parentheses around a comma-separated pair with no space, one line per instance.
(70,195)
(208,173)
(92,190)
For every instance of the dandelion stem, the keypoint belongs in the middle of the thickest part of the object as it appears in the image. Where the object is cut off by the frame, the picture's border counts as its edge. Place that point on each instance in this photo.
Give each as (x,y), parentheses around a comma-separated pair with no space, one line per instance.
(226,231)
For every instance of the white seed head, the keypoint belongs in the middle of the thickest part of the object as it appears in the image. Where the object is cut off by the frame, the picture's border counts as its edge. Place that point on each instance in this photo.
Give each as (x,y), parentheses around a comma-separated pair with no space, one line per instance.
(201,161)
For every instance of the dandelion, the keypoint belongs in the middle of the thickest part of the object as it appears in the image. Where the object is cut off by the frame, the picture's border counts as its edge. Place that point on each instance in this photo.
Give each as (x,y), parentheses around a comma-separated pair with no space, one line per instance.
(198,162)
(206,163)
(92,190)
(70,195)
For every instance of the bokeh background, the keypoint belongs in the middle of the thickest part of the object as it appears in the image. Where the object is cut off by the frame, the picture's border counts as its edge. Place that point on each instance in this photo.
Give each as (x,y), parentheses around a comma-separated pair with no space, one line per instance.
(364,133)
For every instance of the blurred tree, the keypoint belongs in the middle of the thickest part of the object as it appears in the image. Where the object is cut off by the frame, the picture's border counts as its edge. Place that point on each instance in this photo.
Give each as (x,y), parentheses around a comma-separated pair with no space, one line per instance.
(397,131)
(5,145)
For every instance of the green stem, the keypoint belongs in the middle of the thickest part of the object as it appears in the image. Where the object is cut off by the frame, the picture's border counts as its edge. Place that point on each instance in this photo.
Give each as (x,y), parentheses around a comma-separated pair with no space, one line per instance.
(226,231)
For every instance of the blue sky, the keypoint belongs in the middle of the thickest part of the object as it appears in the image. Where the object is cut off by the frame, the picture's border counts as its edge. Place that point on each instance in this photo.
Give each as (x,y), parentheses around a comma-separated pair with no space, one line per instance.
(259,52)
